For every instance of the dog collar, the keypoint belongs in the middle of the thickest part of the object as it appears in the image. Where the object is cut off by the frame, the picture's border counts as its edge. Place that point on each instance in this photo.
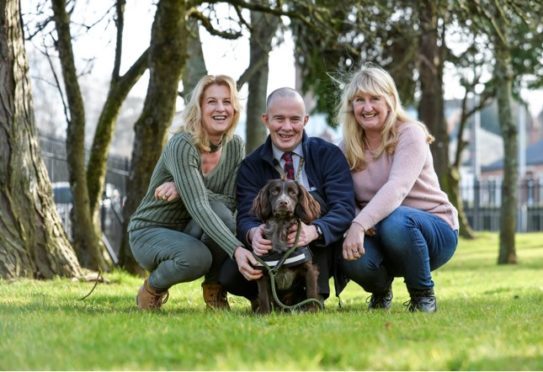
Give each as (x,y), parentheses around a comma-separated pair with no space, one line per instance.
(298,257)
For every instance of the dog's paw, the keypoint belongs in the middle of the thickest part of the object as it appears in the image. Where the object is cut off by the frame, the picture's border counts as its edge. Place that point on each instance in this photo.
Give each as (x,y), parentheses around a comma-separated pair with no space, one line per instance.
(313,306)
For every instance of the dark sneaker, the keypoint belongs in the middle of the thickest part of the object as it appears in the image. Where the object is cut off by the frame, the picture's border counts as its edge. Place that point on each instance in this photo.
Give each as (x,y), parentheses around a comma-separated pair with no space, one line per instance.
(380,300)
(423,300)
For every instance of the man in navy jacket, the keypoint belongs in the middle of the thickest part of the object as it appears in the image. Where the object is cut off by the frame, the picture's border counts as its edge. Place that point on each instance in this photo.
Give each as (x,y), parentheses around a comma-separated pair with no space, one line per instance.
(318,165)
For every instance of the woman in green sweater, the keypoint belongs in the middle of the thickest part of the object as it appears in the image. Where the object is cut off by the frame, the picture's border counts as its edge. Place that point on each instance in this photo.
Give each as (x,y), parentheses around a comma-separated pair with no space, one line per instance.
(183,239)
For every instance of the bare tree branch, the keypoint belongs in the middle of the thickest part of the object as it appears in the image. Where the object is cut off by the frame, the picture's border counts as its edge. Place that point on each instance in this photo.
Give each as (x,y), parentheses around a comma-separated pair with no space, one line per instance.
(57,83)
(313,17)
(231,35)
(250,70)
(119,20)
(242,20)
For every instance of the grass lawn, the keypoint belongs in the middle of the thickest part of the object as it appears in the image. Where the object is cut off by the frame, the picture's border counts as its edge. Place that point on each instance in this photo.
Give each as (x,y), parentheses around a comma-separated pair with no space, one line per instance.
(489,317)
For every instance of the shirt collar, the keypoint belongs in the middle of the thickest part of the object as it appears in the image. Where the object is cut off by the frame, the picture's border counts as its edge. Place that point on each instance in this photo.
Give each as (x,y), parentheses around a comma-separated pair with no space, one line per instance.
(277,154)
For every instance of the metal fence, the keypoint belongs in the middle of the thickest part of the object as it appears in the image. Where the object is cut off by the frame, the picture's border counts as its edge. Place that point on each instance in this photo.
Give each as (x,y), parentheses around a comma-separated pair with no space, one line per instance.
(482,199)
(482,202)
(54,157)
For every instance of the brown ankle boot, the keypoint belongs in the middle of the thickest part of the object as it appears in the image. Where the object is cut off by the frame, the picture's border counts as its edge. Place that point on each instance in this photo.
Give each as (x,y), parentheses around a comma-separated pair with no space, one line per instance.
(215,296)
(149,298)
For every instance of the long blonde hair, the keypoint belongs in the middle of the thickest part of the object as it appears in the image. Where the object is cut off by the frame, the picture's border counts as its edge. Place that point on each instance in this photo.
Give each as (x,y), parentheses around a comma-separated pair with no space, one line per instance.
(373,80)
(192,115)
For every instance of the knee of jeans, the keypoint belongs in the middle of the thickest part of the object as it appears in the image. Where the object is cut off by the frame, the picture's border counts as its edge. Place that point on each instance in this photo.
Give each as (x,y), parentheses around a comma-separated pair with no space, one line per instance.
(395,223)
(197,262)
(361,271)
(395,229)
(224,213)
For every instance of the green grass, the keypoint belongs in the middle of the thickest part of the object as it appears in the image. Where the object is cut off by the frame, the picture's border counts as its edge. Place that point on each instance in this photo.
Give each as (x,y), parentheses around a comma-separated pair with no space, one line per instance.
(490,317)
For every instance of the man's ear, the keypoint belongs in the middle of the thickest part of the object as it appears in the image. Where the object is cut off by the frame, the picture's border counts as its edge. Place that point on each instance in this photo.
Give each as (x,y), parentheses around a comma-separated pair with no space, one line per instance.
(265,120)
(306,119)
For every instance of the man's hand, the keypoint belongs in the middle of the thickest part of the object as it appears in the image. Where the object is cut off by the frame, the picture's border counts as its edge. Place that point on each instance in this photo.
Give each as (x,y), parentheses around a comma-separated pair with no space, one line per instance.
(167,192)
(246,262)
(308,233)
(353,245)
(261,245)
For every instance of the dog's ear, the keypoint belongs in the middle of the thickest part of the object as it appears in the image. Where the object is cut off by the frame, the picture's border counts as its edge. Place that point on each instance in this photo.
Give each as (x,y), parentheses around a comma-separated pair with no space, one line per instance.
(261,204)
(308,209)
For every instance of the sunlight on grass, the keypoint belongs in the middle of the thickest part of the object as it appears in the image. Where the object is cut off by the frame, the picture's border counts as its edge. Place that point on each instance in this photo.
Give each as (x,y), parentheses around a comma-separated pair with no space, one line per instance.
(489,317)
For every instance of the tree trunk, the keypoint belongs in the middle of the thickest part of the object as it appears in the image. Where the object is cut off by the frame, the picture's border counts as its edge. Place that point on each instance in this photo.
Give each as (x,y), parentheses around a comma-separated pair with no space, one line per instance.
(465,230)
(97,165)
(508,211)
(454,172)
(33,243)
(87,235)
(264,26)
(196,65)
(166,62)
(431,84)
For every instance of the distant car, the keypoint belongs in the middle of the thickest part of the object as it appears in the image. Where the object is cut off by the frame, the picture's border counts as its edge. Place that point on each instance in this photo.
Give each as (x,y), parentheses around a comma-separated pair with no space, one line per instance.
(110,213)
(62,193)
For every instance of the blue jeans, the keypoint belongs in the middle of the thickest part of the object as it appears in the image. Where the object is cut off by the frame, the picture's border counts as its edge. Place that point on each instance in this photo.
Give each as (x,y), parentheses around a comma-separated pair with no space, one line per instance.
(410,243)
(174,256)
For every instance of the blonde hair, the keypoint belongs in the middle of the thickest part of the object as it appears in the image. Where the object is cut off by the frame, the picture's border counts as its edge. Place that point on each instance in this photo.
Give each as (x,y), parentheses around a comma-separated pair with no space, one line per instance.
(373,80)
(192,115)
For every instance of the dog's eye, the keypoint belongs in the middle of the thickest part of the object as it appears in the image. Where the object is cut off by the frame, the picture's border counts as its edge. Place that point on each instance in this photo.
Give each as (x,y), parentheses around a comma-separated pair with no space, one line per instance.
(293,192)
(274,191)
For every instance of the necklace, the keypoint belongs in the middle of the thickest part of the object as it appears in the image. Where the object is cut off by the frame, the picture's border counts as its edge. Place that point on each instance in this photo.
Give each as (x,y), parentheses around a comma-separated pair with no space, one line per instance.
(214,148)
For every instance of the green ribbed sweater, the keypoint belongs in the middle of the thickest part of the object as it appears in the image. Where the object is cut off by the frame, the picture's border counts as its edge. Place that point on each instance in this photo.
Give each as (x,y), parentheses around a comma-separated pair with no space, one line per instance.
(180,162)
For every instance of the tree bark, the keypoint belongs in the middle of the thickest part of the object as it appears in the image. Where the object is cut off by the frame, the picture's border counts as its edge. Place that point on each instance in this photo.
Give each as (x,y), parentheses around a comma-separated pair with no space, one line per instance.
(465,229)
(166,62)
(196,65)
(431,83)
(33,243)
(87,235)
(454,170)
(508,211)
(264,26)
(97,165)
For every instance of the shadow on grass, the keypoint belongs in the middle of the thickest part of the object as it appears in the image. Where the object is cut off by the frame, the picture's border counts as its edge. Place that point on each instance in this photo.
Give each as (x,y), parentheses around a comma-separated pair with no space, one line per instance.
(104,303)
(98,304)
(110,304)
(524,264)
(505,297)
(510,363)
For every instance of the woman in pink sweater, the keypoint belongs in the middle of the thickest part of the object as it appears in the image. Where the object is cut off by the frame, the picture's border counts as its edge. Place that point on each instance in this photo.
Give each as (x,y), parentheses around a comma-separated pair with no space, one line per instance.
(397,193)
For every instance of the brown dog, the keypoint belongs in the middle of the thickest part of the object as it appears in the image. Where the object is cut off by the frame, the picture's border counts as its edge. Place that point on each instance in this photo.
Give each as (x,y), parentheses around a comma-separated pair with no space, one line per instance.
(280,204)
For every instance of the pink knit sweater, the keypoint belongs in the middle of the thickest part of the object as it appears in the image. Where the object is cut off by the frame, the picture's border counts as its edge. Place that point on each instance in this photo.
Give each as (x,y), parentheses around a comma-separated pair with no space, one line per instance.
(407,177)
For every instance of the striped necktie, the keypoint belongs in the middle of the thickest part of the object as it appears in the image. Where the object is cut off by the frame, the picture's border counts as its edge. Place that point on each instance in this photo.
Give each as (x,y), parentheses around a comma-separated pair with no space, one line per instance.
(289,165)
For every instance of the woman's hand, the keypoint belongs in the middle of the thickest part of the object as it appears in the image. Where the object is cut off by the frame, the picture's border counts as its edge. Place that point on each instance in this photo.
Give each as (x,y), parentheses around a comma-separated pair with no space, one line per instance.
(167,192)
(353,245)
(261,245)
(246,264)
